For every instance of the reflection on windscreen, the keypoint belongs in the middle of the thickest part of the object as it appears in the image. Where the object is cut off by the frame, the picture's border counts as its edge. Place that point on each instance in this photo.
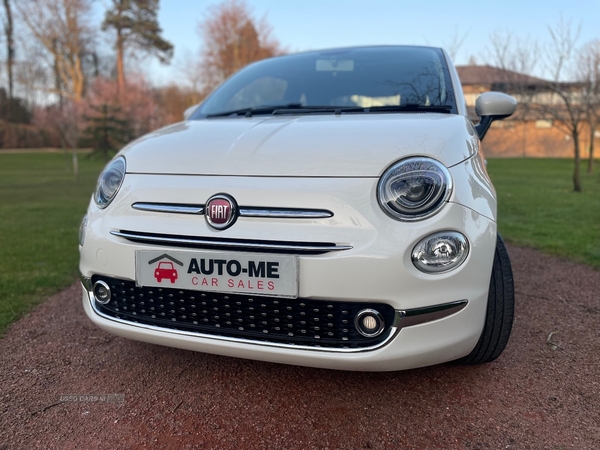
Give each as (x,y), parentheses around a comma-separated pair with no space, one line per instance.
(361,77)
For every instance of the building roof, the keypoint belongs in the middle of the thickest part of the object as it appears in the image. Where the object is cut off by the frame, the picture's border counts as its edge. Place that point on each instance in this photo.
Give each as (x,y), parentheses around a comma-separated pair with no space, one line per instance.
(489,75)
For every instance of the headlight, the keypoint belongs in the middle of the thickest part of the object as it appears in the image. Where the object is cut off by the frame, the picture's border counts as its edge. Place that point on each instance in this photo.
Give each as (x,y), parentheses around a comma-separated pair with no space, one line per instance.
(440,252)
(414,188)
(109,182)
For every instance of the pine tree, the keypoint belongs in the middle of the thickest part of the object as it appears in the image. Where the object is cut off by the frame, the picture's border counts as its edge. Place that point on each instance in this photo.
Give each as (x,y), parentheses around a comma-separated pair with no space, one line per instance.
(136,24)
(106,132)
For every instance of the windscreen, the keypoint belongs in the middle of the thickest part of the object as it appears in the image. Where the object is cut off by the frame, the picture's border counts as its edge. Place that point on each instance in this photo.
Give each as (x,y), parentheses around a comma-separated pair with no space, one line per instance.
(358,77)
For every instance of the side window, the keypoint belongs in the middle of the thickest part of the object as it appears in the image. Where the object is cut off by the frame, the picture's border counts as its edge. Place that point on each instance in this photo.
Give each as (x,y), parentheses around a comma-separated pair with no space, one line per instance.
(260,92)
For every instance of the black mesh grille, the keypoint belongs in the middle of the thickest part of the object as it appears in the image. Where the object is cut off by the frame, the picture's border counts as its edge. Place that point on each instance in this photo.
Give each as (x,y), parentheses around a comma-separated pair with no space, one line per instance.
(314,323)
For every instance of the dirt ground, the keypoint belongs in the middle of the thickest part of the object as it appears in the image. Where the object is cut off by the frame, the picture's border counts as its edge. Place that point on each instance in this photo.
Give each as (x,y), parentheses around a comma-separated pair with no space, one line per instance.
(542,393)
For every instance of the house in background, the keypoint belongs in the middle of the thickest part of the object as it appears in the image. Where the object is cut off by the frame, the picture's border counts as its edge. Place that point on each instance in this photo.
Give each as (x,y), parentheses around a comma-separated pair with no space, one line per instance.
(529,132)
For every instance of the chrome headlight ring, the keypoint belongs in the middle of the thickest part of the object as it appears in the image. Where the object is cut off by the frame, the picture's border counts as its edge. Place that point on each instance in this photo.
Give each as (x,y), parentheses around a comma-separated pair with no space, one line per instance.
(110,181)
(414,189)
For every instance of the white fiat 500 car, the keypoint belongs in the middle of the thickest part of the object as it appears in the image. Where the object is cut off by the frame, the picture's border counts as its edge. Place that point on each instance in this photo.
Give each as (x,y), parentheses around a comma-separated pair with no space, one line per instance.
(329,209)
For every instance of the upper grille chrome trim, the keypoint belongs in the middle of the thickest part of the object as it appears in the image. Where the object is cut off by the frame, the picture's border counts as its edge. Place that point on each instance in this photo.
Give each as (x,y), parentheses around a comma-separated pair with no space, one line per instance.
(199,242)
(275,213)
(282,213)
(169,208)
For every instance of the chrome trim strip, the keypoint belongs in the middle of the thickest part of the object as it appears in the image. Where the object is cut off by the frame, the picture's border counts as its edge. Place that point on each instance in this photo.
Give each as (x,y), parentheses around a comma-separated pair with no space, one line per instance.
(169,208)
(274,213)
(417,316)
(86,282)
(426,314)
(230,244)
(281,213)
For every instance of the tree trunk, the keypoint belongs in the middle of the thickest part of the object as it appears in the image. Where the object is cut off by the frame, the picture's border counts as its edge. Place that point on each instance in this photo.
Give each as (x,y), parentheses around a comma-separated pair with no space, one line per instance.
(576,176)
(120,68)
(10,52)
(524,122)
(78,80)
(590,168)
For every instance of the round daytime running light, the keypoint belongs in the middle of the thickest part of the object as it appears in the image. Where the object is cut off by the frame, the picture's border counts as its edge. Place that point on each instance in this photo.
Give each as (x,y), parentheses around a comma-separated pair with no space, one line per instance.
(440,252)
(369,323)
(109,182)
(414,188)
(102,292)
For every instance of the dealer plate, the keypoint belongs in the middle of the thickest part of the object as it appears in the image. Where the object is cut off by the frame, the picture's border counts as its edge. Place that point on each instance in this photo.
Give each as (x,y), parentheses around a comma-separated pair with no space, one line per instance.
(212,271)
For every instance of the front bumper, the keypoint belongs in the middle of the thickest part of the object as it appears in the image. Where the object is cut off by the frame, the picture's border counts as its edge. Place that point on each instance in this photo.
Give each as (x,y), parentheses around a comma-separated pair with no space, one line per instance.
(415,343)
(376,269)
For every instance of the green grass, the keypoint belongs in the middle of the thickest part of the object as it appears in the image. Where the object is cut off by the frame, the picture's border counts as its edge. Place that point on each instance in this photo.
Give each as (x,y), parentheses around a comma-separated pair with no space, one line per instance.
(538,208)
(41,206)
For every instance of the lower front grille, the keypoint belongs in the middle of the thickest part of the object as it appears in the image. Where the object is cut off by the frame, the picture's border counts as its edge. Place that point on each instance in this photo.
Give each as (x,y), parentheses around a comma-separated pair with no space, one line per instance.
(303,322)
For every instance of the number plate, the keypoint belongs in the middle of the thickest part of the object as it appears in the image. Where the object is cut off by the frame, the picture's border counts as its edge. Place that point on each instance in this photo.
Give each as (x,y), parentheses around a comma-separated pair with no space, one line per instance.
(211,271)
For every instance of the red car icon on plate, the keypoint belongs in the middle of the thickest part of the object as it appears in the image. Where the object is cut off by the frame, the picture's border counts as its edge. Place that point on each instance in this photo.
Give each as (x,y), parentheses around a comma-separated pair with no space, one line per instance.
(165,270)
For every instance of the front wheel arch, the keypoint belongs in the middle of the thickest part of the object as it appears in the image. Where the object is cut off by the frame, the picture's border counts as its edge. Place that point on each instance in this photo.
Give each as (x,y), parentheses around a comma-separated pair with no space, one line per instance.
(499,312)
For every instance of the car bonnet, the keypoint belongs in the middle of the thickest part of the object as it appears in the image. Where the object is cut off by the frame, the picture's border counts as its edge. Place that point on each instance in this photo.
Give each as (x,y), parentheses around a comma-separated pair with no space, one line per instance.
(358,145)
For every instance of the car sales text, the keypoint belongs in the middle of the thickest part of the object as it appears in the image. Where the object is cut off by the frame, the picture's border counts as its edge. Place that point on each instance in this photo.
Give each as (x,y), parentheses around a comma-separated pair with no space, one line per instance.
(233,268)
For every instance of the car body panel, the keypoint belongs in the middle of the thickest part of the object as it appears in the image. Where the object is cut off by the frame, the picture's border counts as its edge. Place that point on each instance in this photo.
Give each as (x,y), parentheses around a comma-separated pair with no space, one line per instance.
(293,145)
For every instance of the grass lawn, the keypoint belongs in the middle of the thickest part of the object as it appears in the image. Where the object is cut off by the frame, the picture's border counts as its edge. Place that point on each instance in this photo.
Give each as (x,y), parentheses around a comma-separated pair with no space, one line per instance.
(537,207)
(41,206)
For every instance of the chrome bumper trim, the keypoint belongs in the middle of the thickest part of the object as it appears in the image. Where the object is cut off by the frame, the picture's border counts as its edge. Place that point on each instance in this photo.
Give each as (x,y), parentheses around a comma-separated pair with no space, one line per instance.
(275,213)
(86,282)
(228,244)
(417,316)
(427,314)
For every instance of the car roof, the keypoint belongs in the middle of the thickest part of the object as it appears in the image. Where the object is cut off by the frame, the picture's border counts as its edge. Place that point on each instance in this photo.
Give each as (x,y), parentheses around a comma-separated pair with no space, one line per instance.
(358,47)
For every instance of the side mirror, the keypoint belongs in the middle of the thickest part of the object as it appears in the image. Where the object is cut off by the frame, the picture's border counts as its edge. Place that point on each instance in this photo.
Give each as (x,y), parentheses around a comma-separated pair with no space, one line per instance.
(188,112)
(492,106)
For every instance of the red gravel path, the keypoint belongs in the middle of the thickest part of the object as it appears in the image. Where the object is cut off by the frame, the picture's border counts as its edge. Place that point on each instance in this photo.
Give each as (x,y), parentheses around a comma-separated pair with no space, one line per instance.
(536,395)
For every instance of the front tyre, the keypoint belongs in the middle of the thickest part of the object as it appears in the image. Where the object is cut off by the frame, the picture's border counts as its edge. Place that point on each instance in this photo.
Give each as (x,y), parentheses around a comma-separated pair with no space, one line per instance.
(500,311)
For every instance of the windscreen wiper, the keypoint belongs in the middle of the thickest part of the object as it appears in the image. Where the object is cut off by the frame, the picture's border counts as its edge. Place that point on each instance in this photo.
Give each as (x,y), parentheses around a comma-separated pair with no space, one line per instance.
(297,108)
(411,108)
(319,109)
(291,108)
(249,112)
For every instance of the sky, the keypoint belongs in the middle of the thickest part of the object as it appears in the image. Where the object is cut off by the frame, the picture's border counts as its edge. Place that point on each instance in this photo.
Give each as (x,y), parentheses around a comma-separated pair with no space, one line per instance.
(316,24)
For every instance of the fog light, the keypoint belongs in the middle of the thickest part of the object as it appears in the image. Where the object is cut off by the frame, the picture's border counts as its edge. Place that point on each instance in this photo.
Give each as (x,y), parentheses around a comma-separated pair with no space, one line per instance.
(102,292)
(369,323)
(440,252)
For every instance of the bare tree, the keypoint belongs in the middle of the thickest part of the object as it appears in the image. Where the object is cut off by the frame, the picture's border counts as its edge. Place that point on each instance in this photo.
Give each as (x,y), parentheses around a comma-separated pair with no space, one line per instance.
(564,102)
(456,42)
(62,28)
(511,52)
(589,77)
(233,39)
(190,68)
(518,58)
(32,76)
(10,47)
